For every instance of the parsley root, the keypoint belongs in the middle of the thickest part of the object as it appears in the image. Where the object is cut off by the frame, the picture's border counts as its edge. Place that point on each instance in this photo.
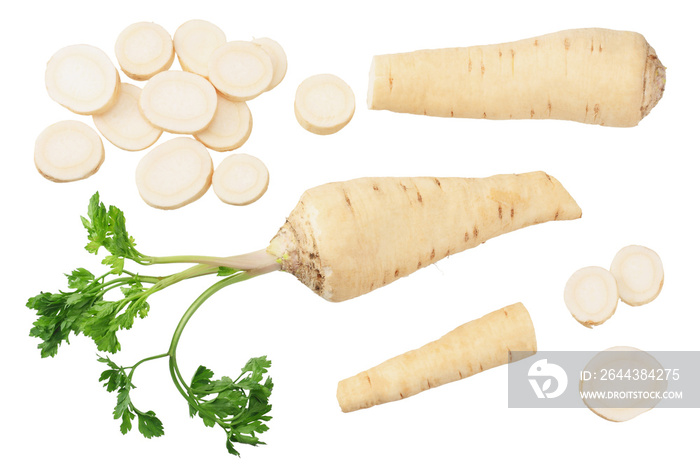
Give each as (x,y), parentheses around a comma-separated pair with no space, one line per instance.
(597,76)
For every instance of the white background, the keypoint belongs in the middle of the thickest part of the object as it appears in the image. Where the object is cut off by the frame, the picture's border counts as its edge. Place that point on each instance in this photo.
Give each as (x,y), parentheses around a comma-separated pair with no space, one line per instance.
(635,186)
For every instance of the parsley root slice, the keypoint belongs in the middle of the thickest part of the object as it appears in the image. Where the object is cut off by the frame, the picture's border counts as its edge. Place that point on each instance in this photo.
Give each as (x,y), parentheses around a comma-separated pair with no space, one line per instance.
(471,348)
(324,104)
(279,59)
(639,274)
(68,151)
(240,179)
(596,76)
(195,41)
(591,295)
(229,129)
(144,50)
(241,70)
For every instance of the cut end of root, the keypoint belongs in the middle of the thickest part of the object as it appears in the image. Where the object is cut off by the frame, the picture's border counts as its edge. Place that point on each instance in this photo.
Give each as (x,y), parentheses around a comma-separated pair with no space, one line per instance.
(654,82)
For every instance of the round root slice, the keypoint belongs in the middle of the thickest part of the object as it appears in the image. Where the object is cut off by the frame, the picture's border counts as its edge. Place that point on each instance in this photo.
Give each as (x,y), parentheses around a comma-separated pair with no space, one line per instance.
(324,104)
(230,127)
(83,79)
(178,102)
(279,60)
(639,274)
(143,50)
(68,151)
(174,173)
(591,295)
(240,179)
(194,43)
(123,125)
(240,70)
(616,363)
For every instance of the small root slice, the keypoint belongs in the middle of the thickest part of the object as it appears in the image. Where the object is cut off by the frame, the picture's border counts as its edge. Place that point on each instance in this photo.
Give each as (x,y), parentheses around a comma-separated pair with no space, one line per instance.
(144,50)
(324,104)
(179,102)
(230,128)
(639,274)
(68,151)
(194,42)
(279,60)
(622,360)
(591,295)
(174,174)
(240,179)
(240,70)
(123,125)
(83,79)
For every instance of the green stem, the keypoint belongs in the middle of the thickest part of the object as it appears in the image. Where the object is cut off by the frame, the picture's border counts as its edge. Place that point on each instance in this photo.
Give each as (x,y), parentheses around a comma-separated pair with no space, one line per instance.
(255,260)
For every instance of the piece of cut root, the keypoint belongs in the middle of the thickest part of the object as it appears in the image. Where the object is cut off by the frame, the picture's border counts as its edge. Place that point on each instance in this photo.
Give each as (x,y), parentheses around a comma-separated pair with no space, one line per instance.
(143,50)
(194,43)
(324,104)
(279,59)
(240,179)
(639,274)
(83,79)
(174,173)
(68,151)
(230,127)
(123,125)
(619,373)
(178,102)
(240,70)
(591,295)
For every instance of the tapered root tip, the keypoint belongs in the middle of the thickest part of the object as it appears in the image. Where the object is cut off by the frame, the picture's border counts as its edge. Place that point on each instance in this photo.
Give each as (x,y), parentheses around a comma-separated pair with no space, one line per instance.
(654,82)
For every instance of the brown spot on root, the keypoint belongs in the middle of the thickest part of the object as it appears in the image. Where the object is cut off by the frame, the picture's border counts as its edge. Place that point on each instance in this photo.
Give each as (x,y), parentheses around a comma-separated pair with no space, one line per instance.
(591,45)
(596,111)
(460,374)
(452,113)
(567,44)
(556,215)
(549,178)
(600,48)
(466,236)
(428,383)
(448,252)
(419,197)
(347,199)
(481,368)
(403,187)
(500,212)
(375,187)
(483,68)
(432,254)
(401,395)
(391,83)
(469,65)
(549,107)
(505,312)
(420,264)
(512,61)
(586,110)
(532,113)
(512,212)
(396,273)
(475,232)
(369,381)
(371,286)
(536,43)
(510,355)
(437,182)
(484,115)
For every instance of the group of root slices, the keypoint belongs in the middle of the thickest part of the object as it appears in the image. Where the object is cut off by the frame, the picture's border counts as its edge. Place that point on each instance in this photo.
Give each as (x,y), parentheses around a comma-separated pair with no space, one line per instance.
(206,100)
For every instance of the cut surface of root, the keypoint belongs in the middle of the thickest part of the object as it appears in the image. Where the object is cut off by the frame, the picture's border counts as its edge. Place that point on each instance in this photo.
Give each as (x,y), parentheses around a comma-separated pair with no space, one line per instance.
(230,128)
(240,70)
(68,151)
(646,374)
(178,102)
(591,295)
(123,125)
(194,42)
(279,59)
(143,50)
(639,274)
(324,104)
(174,173)
(83,79)
(240,179)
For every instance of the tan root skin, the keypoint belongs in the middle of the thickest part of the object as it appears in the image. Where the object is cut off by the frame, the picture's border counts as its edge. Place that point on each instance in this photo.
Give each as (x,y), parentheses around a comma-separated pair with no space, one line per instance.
(346,239)
(474,347)
(597,76)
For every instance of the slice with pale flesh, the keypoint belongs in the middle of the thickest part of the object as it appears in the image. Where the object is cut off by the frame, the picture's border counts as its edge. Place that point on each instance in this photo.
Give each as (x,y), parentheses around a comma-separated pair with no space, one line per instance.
(240,179)
(143,50)
(123,125)
(620,371)
(194,42)
(591,295)
(68,151)
(178,102)
(279,60)
(240,70)
(230,127)
(83,79)
(174,173)
(324,104)
(639,274)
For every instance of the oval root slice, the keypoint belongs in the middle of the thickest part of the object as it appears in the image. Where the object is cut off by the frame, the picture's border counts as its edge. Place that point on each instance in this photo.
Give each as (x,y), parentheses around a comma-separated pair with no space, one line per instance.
(230,127)
(83,79)
(609,369)
(194,42)
(123,125)
(178,101)
(279,60)
(143,50)
(240,179)
(639,274)
(240,70)
(324,104)
(174,173)
(68,151)
(591,295)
